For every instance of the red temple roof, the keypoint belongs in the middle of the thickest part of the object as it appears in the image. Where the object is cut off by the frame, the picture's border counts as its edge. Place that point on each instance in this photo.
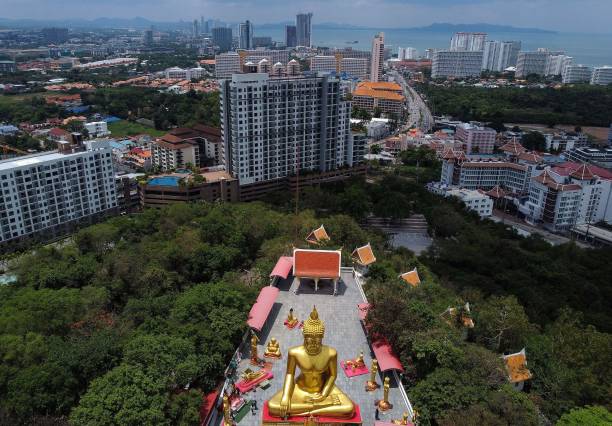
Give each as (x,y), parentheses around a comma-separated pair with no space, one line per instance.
(316,263)
(262,307)
(387,360)
(283,267)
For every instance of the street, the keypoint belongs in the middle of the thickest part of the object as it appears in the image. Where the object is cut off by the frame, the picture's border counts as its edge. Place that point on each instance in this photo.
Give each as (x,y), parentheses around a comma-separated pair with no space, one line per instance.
(419,114)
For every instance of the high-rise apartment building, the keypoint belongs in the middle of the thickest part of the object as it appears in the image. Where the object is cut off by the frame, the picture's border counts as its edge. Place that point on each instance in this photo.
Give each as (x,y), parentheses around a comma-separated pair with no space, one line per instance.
(222,38)
(42,195)
(273,127)
(499,55)
(227,64)
(407,53)
(531,63)
(555,64)
(304,29)
(468,41)
(456,63)
(576,74)
(246,35)
(490,55)
(352,67)
(55,35)
(602,75)
(377,57)
(324,63)
(148,37)
(290,35)
(195,28)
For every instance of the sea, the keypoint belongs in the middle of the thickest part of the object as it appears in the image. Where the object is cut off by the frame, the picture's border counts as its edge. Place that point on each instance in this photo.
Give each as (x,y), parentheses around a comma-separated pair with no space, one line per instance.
(586,49)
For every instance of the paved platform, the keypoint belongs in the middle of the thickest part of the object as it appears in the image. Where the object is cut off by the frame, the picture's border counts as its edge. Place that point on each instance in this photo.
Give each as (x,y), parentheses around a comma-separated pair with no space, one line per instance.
(343,331)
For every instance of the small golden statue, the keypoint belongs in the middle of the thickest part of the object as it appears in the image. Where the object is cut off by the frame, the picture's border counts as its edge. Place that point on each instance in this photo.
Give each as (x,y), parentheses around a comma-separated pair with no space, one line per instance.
(273,349)
(313,392)
(371,384)
(227,412)
(254,356)
(249,375)
(356,363)
(402,421)
(291,321)
(384,404)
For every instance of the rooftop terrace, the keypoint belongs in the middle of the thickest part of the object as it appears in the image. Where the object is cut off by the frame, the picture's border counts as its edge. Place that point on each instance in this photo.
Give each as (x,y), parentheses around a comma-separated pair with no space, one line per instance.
(343,331)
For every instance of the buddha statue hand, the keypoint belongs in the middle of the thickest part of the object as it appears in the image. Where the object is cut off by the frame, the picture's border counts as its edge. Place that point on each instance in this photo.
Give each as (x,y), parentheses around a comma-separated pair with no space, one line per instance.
(316,397)
(285,407)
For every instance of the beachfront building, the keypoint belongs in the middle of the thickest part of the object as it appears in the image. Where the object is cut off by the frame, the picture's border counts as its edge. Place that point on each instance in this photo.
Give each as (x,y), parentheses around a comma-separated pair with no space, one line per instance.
(377,58)
(456,63)
(531,63)
(602,75)
(576,74)
(467,41)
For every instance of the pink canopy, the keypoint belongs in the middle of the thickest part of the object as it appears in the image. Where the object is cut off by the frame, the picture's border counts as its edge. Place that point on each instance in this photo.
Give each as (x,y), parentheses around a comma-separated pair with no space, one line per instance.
(262,307)
(363,310)
(385,356)
(283,267)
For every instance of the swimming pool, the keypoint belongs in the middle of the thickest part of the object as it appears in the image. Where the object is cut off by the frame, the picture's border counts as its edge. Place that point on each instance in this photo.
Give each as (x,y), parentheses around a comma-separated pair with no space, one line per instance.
(165,181)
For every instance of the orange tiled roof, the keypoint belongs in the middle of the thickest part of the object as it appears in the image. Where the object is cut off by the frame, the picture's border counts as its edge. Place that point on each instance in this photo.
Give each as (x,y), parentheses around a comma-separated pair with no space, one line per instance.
(364,255)
(318,235)
(379,94)
(546,179)
(316,263)
(513,147)
(411,278)
(530,157)
(380,85)
(516,366)
(583,173)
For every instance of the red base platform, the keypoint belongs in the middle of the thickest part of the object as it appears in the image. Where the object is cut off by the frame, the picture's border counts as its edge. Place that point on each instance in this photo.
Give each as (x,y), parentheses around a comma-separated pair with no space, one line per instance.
(269,420)
(350,372)
(244,387)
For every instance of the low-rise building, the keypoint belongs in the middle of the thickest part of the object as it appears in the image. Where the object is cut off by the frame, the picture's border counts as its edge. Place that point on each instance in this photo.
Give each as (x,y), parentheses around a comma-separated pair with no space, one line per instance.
(598,156)
(475,138)
(386,96)
(474,200)
(602,75)
(97,129)
(563,141)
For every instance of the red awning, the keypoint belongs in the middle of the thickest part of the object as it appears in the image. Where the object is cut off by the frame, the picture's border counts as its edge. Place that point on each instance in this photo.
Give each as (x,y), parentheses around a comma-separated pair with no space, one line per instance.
(283,267)
(363,310)
(207,407)
(262,307)
(385,356)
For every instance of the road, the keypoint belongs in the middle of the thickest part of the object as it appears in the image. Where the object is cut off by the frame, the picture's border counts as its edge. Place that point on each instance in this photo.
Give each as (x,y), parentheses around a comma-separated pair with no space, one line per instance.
(419,114)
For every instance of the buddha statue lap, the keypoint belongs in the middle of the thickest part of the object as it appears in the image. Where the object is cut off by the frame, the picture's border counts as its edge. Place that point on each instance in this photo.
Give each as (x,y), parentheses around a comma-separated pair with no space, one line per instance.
(314,391)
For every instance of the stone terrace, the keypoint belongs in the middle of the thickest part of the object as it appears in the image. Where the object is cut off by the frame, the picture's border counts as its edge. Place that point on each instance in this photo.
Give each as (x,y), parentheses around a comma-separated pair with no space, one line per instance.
(343,331)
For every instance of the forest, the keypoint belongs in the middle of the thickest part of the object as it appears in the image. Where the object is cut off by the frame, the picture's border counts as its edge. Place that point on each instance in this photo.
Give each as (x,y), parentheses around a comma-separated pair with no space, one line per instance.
(135,318)
(580,105)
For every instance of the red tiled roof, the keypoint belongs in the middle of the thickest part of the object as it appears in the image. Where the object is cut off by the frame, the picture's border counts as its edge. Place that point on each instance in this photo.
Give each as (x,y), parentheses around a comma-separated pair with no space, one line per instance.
(316,263)
(283,267)
(530,157)
(564,169)
(208,404)
(546,179)
(513,148)
(387,360)
(496,192)
(262,307)
(583,173)
(56,131)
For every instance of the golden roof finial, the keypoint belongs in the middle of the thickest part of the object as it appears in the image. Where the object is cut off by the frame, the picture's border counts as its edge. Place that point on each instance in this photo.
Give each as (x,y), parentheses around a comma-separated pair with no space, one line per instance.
(313,325)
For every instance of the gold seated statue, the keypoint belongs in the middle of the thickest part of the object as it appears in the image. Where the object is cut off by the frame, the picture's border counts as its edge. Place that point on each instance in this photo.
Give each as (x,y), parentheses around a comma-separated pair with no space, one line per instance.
(273,349)
(314,392)
(291,320)
(356,363)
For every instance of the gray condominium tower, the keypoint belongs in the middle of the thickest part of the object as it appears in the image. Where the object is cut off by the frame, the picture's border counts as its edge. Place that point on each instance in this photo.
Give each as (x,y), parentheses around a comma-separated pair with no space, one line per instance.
(222,37)
(273,127)
(290,36)
(304,29)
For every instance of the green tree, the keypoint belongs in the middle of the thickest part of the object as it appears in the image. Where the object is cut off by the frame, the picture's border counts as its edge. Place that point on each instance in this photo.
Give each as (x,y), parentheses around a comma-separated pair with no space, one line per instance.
(586,416)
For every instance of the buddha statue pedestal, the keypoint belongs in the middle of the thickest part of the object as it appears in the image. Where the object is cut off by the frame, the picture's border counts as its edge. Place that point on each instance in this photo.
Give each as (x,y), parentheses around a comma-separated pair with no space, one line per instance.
(269,420)
(313,395)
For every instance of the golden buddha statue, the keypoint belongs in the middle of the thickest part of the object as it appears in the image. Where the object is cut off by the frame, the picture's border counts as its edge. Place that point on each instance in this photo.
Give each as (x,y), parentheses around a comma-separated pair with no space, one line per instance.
(227,412)
(402,421)
(273,349)
(371,384)
(254,356)
(291,320)
(384,404)
(314,392)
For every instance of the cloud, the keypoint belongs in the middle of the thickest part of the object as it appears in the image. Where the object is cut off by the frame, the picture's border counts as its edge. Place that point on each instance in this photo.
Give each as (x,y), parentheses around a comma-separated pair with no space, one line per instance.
(562,15)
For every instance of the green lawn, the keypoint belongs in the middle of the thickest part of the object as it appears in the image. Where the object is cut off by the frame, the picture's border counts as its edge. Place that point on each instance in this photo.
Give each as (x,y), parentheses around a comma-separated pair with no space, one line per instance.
(128,128)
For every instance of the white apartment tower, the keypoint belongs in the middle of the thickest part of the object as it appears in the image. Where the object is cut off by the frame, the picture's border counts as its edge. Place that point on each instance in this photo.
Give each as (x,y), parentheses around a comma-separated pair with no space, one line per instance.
(460,63)
(273,127)
(531,63)
(246,35)
(378,57)
(468,41)
(42,194)
(602,75)
(556,64)
(576,74)
(499,55)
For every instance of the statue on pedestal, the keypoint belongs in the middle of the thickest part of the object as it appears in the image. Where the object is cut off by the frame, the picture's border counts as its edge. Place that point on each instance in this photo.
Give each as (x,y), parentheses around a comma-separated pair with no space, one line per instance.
(402,421)
(384,404)
(227,412)
(371,384)
(314,391)
(291,321)
(273,349)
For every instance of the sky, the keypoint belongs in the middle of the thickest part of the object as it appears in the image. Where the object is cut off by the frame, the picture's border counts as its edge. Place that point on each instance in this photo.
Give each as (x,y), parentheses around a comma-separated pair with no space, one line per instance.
(559,15)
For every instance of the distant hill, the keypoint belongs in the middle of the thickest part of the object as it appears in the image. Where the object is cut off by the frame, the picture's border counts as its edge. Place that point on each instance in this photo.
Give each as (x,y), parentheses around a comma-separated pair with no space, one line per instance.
(446,27)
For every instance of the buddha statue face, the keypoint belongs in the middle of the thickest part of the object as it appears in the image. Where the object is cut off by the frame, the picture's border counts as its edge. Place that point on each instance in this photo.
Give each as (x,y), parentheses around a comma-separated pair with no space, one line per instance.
(314,329)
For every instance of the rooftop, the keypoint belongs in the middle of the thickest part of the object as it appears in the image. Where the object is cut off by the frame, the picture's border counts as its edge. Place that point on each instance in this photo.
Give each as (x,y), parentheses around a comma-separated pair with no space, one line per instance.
(344,332)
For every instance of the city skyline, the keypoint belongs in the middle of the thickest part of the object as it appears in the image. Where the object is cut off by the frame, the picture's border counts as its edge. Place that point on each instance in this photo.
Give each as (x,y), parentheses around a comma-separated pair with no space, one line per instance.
(561,15)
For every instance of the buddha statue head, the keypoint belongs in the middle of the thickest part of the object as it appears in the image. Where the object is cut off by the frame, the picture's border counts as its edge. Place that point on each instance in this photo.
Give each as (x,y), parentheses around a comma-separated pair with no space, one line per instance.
(313,330)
